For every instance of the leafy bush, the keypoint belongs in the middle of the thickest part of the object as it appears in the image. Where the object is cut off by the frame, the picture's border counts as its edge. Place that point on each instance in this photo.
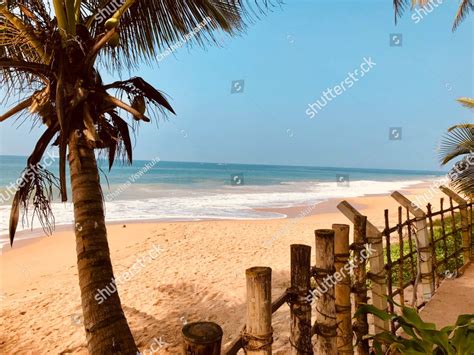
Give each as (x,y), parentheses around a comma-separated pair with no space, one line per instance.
(421,338)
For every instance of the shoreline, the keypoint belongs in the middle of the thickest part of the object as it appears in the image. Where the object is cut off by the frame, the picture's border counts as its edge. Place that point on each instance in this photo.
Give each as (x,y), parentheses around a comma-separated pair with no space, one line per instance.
(200,275)
(290,212)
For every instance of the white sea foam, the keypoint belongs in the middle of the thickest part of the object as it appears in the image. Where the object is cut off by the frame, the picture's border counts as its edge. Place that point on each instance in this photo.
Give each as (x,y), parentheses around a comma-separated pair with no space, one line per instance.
(154,202)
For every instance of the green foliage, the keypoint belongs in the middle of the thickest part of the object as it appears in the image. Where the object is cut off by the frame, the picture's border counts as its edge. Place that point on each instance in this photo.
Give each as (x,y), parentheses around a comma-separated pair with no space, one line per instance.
(420,337)
(452,243)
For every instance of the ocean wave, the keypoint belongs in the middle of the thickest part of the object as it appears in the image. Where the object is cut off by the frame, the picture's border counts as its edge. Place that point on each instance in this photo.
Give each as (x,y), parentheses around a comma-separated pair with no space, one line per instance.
(219,203)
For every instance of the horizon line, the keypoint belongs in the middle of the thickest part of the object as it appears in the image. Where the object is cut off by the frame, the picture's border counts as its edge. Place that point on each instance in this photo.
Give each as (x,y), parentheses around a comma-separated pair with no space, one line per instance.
(262,164)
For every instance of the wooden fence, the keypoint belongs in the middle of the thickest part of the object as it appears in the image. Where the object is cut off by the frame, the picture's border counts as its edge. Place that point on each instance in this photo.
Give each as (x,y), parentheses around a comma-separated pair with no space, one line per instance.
(415,253)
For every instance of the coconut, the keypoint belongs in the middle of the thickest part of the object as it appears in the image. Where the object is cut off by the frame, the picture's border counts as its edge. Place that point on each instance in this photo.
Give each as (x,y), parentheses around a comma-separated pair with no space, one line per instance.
(114,40)
(111,23)
(139,104)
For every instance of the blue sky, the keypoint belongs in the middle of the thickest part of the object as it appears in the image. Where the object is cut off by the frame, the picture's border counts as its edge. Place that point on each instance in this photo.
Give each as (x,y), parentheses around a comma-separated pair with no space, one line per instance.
(287,59)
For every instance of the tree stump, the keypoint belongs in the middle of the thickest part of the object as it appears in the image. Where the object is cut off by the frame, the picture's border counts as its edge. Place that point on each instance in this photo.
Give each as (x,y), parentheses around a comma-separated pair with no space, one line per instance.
(202,338)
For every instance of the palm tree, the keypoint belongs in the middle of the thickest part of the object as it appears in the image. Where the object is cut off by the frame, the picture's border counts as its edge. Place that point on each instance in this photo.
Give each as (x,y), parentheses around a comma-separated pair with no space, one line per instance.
(463,10)
(458,142)
(52,61)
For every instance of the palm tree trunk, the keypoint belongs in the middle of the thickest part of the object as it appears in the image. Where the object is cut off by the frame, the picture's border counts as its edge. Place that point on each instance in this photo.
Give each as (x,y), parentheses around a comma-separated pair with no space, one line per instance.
(106,328)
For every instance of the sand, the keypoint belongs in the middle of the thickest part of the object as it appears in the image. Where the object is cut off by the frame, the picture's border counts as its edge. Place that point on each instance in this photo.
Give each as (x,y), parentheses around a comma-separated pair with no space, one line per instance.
(199,274)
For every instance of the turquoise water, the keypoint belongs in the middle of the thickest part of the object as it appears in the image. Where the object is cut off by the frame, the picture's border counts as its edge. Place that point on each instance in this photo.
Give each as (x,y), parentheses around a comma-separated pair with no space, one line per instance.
(184,174)
(159,190)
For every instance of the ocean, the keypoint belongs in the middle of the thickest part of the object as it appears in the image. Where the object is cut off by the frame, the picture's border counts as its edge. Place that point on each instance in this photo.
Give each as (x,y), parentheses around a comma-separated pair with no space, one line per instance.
(175,191)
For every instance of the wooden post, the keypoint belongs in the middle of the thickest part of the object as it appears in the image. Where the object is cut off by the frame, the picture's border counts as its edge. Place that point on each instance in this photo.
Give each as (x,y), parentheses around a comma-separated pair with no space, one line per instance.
(202,338)
(343,290)
(258,335)
(377,273)
(466,235)
(361,325)
(325,326)
(424,243)
(300,306)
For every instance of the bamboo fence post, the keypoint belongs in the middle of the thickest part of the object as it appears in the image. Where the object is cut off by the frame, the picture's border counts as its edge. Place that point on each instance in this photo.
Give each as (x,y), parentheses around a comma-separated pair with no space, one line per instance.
(456,241)
(325,326)
(343,290)
(258,334)
(424,243)
(202,338)
(466,235)
(300,306)
(410,246)
(434,242)
(377,273)
(401,259)
(444,240)
(389,266)
(361,325)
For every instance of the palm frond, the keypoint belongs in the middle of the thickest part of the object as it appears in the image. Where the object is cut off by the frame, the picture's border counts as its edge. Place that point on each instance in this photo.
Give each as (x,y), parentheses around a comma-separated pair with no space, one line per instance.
(36,188)
(457,142)
(462,176)
(467,102)
(463,10)
(149,27)
(136,87)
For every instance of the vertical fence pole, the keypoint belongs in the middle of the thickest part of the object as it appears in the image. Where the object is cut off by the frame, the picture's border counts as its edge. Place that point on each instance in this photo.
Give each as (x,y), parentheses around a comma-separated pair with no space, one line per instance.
(361,325)
(258,335)
(377,273)
(343,290)
(424,243)
(466,235)
(202,338)
(300,307)
(325,326)
(401,260)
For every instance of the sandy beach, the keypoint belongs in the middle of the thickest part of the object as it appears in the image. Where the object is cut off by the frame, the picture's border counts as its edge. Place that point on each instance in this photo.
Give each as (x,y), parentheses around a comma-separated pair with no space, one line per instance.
(198,273)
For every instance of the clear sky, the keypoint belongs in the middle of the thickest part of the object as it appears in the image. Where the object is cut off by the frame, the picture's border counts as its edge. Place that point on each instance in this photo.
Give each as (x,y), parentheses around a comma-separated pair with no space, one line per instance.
(287,60)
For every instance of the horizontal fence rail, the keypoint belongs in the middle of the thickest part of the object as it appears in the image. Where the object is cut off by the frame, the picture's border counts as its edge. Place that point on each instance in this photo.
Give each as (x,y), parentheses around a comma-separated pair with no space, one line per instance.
(413,253)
